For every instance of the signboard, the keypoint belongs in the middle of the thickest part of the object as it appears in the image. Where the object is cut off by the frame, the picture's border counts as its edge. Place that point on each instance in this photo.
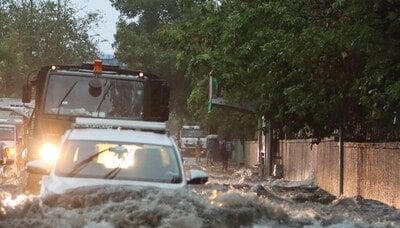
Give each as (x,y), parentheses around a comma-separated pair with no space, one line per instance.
(216,98)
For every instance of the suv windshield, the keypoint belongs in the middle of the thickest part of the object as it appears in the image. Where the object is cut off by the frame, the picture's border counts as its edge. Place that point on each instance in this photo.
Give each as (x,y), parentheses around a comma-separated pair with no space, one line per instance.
(133,162)
(69,95)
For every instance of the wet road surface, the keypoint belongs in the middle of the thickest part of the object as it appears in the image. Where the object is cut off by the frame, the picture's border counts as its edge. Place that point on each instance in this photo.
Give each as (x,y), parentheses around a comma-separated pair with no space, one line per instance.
(237,198)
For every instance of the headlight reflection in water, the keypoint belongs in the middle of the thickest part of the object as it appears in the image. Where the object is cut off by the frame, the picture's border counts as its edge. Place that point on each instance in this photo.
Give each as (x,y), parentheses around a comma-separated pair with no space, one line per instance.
(213,198)
(8,201)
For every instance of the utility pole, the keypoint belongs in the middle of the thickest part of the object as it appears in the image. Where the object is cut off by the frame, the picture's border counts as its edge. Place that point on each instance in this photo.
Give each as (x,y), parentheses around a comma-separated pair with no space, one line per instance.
(31,30)
(341,161)
(58,9)
(260,146)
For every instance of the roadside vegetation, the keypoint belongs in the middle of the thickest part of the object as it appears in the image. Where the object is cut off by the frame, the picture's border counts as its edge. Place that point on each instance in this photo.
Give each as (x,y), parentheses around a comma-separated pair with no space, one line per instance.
(37,33)
(307,66)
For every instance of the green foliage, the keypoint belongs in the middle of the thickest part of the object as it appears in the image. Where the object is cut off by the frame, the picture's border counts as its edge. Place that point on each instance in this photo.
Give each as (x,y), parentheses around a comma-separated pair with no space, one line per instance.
(40,33)
(310,66)
(150,14)
(316,65)
(139,44)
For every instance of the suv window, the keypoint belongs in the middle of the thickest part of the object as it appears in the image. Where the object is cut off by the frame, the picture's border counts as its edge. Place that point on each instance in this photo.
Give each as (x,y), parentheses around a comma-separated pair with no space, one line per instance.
(142,162)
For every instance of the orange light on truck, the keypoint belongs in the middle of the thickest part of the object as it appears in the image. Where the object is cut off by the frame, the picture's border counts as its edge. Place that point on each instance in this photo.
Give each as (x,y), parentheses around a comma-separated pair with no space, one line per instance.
(97,66)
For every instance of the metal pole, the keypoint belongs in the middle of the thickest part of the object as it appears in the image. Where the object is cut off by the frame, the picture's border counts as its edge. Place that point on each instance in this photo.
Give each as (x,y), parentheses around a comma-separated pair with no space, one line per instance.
(260,146)
(341,162)
(268,149)
(58,9)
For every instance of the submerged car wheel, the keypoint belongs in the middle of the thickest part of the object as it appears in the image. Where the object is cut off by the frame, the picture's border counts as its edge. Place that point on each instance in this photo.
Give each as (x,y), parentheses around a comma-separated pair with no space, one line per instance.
(33,183)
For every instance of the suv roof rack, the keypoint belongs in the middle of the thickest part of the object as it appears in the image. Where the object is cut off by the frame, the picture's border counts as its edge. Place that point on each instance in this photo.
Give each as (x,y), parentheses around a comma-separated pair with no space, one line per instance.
(86,122)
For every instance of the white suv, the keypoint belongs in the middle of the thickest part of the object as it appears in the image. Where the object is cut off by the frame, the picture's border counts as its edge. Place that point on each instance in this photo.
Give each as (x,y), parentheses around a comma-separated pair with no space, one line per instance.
(136,153)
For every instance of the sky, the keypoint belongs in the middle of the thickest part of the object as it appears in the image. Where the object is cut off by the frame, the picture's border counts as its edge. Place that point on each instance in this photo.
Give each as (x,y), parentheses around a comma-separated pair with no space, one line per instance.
(107,26)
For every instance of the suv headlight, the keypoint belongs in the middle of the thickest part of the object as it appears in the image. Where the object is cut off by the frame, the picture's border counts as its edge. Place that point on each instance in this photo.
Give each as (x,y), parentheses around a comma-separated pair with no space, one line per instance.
(49,153)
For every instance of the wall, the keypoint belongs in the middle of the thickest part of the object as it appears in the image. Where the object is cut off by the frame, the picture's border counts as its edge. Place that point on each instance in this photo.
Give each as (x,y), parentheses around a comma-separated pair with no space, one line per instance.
(251,152)
(296,159)
(371,170)
(376,169)
(238,156)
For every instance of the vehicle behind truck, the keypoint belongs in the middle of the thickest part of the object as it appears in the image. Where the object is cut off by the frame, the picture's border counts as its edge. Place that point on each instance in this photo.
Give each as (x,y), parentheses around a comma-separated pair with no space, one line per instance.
(189,136)
(63,93)
(12,116)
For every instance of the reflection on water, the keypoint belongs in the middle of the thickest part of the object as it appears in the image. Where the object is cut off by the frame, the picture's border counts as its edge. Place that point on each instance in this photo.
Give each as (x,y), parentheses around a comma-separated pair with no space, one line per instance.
(12,202)
(9,202)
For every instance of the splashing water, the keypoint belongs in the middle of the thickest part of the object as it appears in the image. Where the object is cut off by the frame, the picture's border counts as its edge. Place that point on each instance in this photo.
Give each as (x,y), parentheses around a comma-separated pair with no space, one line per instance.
(221,203)
(13,202)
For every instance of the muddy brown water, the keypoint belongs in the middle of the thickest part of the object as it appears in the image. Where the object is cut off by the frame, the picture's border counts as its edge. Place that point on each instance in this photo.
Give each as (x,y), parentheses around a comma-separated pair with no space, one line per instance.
(236,198)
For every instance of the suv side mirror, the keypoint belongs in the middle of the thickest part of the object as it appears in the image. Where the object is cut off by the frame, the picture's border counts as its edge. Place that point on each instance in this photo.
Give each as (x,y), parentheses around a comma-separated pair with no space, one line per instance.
(38,167)
(26,93)
(197,177)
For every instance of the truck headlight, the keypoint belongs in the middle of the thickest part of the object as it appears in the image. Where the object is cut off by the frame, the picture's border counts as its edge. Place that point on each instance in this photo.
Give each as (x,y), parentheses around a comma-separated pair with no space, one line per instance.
(11,152)
(49,153)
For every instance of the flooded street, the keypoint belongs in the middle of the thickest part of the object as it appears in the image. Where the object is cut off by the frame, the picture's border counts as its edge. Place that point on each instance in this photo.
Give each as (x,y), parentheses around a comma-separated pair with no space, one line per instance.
(233,199)
(118,105)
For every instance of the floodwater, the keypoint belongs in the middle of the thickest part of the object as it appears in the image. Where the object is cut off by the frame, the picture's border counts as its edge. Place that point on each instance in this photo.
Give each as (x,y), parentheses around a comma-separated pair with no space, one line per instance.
(237,198)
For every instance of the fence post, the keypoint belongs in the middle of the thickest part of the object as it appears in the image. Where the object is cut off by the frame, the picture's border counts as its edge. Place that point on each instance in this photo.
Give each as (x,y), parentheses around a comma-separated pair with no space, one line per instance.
(268,149)
(260,147)
(341,161)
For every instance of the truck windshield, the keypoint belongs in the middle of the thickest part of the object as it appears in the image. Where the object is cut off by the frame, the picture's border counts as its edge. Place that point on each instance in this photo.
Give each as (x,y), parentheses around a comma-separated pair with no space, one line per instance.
(7,134)
(192,133)
(69,95)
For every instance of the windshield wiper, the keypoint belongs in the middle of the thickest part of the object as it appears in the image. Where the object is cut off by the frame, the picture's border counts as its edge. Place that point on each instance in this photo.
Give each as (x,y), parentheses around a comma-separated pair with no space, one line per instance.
(102,99)
(65,96)
(113,173)
(78,167)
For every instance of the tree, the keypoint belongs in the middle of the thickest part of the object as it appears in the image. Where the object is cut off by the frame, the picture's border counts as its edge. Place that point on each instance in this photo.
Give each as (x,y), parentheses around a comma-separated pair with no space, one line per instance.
(146,39)
(140,46)
(38,33)
(313,66)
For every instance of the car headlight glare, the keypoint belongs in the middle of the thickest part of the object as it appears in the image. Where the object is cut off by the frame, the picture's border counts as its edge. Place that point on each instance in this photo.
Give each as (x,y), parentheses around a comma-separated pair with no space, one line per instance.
(49,153)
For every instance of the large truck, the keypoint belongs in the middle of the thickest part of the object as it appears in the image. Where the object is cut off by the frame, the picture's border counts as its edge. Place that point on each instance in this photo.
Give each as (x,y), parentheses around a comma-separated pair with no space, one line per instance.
(8,136)
(64,92)
(189,135)
(12,115)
